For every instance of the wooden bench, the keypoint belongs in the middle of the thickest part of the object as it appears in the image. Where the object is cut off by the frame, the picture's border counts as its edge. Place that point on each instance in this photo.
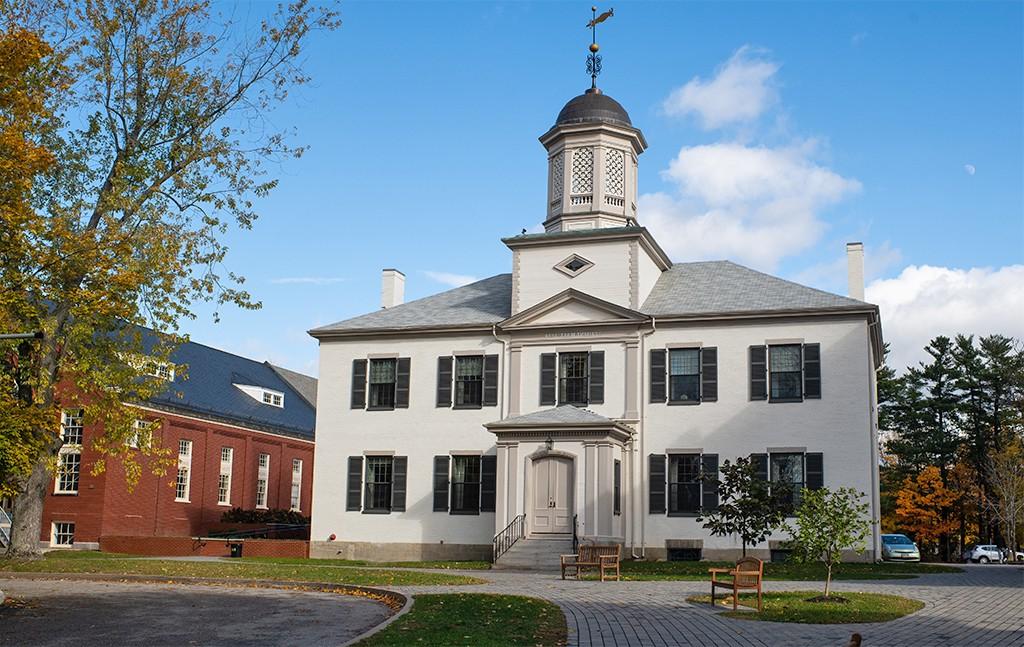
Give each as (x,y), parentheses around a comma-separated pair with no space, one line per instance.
(747,574)
(604,557)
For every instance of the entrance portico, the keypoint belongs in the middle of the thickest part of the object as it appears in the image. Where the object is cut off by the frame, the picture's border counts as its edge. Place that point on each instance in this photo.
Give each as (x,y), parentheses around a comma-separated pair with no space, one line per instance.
(558,468)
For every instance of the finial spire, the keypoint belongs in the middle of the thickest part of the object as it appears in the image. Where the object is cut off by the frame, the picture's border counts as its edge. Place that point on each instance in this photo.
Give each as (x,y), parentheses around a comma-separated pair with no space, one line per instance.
(593,59)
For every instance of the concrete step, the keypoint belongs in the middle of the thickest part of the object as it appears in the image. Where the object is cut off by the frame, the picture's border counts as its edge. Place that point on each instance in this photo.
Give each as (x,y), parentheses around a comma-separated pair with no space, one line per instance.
(534,554)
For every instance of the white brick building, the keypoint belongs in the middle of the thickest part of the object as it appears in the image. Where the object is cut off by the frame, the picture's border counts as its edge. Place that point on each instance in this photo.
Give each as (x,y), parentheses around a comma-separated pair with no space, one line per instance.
(589,389)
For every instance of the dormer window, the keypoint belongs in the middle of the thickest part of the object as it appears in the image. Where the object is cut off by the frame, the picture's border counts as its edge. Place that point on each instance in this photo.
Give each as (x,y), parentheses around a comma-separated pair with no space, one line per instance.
(263,395)
(574,266)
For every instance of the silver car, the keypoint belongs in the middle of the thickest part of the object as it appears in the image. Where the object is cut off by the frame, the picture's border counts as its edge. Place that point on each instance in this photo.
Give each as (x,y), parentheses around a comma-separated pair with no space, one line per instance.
(984,553)
(899,548)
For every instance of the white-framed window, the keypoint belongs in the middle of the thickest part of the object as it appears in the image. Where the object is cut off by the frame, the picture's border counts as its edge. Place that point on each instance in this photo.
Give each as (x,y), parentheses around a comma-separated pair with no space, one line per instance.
(262,477)
(62,533)
(69,459)
(273,399)
(183,483)
(227,455)
(142,434)
(162,370)
(296,484)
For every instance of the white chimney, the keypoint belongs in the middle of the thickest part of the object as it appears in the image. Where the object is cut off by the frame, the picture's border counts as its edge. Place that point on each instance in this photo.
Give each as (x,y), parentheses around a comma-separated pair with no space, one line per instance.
(855,270)
(392,289)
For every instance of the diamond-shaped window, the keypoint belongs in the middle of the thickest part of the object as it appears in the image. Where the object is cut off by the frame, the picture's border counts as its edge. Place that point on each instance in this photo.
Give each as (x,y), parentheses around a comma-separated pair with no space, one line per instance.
(574,265)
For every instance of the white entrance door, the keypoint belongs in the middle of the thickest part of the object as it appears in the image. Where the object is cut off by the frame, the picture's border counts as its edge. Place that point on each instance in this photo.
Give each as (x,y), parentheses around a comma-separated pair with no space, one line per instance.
(552,495)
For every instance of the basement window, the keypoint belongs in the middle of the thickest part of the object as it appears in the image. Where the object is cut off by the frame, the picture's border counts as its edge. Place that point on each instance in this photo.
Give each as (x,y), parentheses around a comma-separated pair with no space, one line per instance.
(63,534)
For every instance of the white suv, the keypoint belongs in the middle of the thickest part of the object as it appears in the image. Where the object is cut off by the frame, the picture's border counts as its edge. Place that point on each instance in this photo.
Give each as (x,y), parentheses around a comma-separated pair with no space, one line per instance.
(984,553)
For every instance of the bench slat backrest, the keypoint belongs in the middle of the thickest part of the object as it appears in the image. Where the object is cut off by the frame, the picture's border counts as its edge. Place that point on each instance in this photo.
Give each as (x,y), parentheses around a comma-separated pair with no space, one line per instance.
(594,552)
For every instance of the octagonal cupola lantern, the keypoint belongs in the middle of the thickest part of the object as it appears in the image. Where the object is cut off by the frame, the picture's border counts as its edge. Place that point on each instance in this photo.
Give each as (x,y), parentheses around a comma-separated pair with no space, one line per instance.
(592,160)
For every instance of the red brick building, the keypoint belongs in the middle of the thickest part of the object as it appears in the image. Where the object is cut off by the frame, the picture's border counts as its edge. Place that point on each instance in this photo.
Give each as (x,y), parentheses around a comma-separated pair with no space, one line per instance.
(242,435)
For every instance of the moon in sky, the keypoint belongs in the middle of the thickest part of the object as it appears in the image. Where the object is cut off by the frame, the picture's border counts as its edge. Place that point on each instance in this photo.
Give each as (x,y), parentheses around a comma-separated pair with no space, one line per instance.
(969,168)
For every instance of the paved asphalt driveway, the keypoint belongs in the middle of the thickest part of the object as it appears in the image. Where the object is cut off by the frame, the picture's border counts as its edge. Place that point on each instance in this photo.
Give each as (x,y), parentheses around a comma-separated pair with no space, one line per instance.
(78,613)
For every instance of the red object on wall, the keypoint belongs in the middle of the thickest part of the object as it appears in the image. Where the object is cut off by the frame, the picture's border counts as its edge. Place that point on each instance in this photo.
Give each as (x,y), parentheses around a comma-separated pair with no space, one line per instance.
(104,505)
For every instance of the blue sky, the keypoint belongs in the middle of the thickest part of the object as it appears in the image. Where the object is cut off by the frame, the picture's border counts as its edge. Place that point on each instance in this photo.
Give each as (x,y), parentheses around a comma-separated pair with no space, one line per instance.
(777,132)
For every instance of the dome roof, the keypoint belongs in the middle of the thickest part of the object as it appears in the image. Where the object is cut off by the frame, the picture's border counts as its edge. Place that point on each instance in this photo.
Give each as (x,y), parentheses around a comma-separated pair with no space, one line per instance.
(593,106)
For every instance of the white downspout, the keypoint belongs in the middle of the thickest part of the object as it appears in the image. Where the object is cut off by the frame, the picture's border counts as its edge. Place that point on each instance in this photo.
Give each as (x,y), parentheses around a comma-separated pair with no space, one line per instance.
(638,509)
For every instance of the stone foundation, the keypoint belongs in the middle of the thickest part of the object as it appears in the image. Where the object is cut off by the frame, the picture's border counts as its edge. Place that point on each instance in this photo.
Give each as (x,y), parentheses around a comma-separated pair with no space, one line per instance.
(660,553)
(397,552)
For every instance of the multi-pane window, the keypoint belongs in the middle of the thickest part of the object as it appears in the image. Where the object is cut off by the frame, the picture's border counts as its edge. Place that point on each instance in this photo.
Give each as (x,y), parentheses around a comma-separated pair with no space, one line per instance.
(227,455)
(296,484)
(573,380)
(684,480)
(68,471)
(71,427)
(469,381)
(69,459)
(788,470)
(141,435)
(785,375)
(465,484)
(63,533)
(262,478)
(273,399)
(684,375)
(183,483)
(378,483)
(382,383)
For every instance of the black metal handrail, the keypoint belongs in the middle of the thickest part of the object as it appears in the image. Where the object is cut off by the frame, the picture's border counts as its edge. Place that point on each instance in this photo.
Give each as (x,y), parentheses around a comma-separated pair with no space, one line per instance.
(504,540)
(575,536)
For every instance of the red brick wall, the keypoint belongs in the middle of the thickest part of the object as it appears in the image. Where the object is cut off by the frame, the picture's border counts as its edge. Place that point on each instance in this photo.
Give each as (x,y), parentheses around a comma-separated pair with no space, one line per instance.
(186,546)
(104,505)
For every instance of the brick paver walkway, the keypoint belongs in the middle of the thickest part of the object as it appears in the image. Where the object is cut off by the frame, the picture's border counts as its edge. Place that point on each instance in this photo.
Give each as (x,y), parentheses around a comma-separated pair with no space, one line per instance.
(983,607)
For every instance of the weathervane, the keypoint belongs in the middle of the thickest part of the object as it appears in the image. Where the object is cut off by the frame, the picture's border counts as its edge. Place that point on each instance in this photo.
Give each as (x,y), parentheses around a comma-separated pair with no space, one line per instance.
(593,59)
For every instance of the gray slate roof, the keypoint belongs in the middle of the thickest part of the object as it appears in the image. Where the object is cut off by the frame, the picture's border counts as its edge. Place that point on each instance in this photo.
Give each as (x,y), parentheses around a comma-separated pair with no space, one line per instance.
(485,302)
(704,287)
(304,384)
(565,414)
(208,391)
(708,287)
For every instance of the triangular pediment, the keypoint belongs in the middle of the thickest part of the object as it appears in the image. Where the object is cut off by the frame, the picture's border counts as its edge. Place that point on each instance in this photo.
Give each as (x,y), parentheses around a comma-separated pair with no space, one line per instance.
(572,307)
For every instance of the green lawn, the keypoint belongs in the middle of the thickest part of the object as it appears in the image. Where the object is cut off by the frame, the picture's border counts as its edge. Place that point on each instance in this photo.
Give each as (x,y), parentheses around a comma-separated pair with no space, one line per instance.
(300,571)
(474,619)
(792,606)
(782,571)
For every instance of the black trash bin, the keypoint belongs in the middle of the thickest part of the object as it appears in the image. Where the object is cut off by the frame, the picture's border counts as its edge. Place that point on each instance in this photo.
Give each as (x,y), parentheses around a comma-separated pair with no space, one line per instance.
(236,549)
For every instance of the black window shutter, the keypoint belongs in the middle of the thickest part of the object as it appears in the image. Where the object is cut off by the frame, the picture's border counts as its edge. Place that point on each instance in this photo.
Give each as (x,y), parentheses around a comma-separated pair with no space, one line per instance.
(359,384)
(658,392)
(490,380)
(709,374)
(398,478)
(355,482)
(441,483)
(617,487)
(760,462)
(758,373)
(402,384)
(812,371)
(656,474)
(596,395)
(444,381)
(488,482)
(547,379)
(709,482)
(814,468)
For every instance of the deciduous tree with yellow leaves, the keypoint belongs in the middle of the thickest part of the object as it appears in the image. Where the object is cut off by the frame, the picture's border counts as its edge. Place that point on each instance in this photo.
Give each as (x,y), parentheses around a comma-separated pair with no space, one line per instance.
(134,136)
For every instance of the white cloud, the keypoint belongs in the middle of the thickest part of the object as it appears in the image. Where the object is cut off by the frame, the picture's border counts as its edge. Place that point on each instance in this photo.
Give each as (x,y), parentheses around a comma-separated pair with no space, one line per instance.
(925,301)
(970,169)
(742,89)
(832,275)
(307,280)
(454,280)
(752,204)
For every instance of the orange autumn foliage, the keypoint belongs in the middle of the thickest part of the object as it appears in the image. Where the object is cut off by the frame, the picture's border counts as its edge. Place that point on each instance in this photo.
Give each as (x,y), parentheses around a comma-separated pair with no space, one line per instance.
(924,507)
